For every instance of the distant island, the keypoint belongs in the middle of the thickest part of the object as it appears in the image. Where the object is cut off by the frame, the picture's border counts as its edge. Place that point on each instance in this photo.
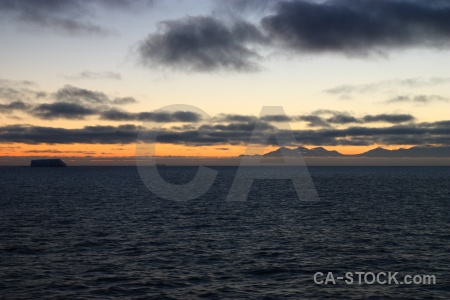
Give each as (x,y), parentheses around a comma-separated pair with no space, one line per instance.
(47,163)
(413,152)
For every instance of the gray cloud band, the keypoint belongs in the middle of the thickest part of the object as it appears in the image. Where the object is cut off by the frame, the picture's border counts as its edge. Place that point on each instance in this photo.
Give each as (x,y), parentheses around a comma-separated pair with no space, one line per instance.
(234,134)
(73,17)
(352,28)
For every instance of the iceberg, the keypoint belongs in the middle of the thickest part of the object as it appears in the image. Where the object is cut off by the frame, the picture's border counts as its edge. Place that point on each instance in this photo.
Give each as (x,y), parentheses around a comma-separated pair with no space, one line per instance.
(47,163)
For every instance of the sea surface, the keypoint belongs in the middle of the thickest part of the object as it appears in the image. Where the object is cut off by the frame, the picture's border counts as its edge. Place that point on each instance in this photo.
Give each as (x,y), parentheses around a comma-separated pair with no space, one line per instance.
(99,233)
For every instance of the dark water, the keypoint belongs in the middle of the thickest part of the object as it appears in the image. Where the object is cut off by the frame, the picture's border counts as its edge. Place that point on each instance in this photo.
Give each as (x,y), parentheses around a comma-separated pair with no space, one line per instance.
(97,232)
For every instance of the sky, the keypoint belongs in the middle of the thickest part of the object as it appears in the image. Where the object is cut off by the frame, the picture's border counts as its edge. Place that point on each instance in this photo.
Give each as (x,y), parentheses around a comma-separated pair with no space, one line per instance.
(81,79)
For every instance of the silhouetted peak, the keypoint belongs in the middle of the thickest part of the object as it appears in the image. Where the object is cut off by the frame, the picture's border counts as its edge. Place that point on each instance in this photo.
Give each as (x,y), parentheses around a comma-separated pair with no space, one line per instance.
(301,148)
(425,146)
(283,148)
(378,149)
(416,151)
(303,151)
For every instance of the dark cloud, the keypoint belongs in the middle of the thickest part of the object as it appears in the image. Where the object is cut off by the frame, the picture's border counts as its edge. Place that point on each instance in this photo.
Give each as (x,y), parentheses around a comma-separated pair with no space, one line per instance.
(438,124)
(321,112)
(14,106)
(62,110)
(276,118)
(124,134)
(73,17)
(77,103)
(393,119)
(418,99)
(342,119)
(73,94)
(159,117)
(78,95)
(233,118)
(65,16)
(313,121)
(96,75)
(185,116)
(365,136)
(359,27)
(317,118)
(386,85)
(234,127)
(202,44)
(69,102)
(20,90)
(184,127)
(437,133)
(124,100)
(193,138)
(349,27)
(117,115)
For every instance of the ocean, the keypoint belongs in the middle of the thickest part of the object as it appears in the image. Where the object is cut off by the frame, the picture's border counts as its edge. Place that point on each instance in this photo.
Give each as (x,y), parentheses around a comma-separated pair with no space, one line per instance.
(99,233)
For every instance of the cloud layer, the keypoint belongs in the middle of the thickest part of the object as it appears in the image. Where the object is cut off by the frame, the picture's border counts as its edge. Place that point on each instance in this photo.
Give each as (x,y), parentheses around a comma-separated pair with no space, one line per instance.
(418,99)
(233,134)
(74,17)
(359,27)
(96,75)
(70,102)
(202,44)
(323,127)
(348,27)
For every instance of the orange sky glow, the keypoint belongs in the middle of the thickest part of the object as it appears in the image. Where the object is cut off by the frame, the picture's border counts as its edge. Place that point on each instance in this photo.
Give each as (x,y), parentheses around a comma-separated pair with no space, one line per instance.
(105,151)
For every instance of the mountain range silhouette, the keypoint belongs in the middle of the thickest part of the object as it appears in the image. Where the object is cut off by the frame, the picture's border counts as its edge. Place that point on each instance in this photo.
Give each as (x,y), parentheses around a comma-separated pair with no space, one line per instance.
(413,152)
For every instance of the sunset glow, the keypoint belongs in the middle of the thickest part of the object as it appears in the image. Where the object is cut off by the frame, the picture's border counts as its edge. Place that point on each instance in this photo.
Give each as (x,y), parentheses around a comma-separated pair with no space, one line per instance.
(86,89)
